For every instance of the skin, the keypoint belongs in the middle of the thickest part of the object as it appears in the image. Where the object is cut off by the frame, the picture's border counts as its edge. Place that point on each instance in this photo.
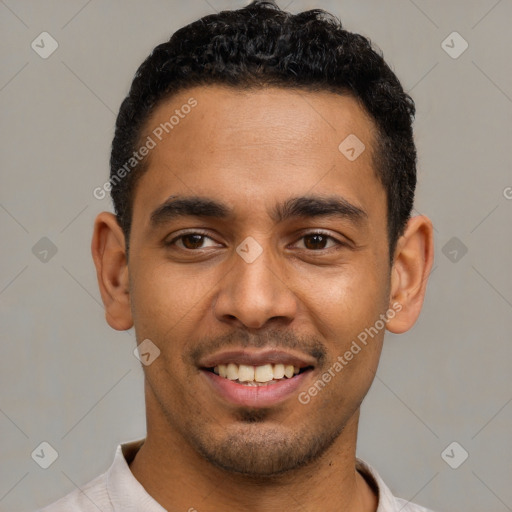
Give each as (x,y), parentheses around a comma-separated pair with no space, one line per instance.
(252,150)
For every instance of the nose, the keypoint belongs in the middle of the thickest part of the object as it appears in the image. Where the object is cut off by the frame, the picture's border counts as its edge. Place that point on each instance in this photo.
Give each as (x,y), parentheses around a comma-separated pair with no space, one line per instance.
(256,292)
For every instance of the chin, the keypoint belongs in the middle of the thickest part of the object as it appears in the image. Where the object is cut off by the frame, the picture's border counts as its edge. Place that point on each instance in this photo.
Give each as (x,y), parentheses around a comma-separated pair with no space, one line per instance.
(259,451)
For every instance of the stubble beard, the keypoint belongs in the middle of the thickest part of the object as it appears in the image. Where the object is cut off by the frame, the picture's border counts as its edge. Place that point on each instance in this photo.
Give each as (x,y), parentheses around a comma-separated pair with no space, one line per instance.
(256,448)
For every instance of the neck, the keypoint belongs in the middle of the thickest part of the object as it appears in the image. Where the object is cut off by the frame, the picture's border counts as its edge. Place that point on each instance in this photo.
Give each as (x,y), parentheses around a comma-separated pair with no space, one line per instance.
(178,478)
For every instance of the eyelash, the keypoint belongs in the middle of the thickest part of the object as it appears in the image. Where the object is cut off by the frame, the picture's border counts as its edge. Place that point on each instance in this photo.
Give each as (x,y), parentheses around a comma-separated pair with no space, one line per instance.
(206,235)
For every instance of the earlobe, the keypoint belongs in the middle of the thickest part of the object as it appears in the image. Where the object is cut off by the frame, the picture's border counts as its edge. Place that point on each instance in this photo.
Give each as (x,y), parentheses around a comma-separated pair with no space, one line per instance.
(412,264)
(109,255)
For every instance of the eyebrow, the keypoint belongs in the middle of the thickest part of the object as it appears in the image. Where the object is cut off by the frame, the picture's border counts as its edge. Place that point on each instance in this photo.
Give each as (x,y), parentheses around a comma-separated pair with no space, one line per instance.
(295,207)
(178,206)
(318,206)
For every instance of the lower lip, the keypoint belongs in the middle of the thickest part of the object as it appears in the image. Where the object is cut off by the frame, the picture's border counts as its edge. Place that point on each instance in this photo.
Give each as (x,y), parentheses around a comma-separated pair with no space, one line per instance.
(255,396)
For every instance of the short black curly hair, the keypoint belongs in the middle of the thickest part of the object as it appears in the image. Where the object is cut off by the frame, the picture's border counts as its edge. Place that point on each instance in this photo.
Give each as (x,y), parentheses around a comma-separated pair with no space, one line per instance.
(259,46)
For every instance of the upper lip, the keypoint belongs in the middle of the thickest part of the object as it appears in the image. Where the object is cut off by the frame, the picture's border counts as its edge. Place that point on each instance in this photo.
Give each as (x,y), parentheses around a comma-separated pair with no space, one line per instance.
(257,358)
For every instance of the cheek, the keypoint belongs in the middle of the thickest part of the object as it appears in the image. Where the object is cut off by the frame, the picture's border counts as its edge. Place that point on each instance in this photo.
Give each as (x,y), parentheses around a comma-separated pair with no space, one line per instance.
(165,299)
(169,307)
(350,316)
(344,303)
(345,308)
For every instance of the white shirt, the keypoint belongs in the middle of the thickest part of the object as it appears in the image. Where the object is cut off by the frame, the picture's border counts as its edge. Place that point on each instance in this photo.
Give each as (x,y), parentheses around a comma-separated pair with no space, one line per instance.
(117,490)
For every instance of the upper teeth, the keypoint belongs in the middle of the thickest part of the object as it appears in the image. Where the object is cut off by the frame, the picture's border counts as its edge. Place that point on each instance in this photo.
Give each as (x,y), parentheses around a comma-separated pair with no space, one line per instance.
(264,373)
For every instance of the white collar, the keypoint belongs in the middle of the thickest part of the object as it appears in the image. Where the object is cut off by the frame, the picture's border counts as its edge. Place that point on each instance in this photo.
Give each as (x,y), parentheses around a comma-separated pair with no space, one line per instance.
(128,495)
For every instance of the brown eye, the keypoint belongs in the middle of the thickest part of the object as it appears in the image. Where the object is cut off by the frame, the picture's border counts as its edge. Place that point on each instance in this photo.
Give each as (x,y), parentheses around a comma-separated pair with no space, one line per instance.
(192,241)
(316,241)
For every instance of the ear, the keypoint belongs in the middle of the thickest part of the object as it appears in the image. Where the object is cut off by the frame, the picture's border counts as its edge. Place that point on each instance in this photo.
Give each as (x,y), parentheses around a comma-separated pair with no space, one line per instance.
(412,264)
(109,255)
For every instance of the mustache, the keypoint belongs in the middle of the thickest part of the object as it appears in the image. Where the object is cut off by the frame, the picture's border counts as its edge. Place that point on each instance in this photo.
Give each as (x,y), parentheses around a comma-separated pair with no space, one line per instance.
(278,339)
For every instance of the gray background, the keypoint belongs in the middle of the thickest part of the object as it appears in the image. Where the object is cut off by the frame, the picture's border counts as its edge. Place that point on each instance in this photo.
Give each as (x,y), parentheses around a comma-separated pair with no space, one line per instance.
(70,380)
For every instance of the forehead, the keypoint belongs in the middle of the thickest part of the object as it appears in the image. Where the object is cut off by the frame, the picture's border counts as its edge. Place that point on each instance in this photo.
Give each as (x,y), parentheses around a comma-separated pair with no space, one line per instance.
(254,146)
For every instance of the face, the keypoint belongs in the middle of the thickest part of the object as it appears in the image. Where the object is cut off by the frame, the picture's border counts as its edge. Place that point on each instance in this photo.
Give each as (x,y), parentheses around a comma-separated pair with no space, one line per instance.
(257,248)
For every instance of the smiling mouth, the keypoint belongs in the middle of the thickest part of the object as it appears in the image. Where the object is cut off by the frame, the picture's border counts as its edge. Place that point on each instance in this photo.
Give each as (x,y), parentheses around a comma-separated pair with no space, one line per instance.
(263,375)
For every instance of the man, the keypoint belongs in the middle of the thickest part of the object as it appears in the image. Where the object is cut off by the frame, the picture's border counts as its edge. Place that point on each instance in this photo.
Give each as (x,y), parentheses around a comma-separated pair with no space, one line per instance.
(263,176)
